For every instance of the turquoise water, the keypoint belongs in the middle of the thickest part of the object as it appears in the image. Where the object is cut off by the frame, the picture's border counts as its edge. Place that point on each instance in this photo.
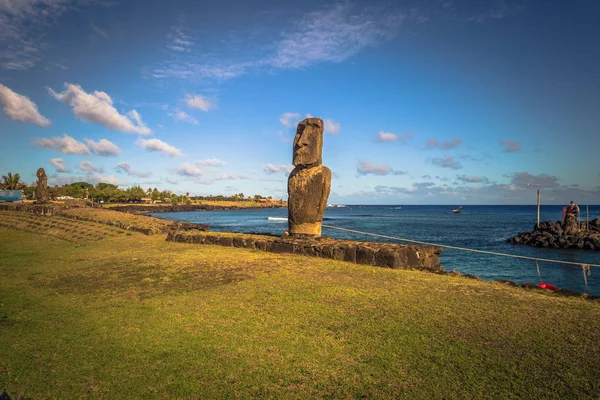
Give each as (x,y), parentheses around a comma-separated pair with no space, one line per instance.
(478,227)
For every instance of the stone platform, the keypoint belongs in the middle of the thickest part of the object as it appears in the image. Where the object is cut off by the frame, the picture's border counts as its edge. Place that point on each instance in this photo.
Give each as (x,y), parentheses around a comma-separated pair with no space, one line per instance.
(388,255)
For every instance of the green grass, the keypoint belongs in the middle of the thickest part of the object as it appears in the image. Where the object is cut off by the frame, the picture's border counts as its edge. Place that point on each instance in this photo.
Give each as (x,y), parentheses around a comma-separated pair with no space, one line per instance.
(138,317)
(124,220)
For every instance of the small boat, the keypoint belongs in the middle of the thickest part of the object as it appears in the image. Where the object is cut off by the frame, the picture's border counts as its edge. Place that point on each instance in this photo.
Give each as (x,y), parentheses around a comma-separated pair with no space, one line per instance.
(457,210)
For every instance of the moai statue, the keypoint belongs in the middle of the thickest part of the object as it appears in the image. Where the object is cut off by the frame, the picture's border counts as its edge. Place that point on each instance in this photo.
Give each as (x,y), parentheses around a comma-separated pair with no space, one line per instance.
(41,190)
(310,182)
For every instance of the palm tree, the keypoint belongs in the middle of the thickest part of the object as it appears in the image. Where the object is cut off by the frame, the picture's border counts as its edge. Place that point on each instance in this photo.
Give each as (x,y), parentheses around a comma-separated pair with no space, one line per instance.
(11,182)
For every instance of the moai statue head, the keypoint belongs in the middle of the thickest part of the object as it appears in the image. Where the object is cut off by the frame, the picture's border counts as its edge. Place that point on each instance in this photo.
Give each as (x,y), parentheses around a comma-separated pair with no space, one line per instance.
(41,174)
(308,143)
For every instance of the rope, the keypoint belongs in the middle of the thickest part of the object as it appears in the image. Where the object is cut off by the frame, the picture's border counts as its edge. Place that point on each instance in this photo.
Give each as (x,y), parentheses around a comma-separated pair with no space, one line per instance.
(461,248)
(538,269)
(586,273)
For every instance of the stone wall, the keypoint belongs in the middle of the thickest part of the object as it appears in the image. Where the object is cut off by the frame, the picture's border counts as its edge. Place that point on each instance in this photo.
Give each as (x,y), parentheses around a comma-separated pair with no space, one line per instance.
(387,255)
(33,208)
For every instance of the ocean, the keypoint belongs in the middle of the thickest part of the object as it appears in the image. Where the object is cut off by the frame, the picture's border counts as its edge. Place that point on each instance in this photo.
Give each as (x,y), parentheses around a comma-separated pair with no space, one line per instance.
(478,227)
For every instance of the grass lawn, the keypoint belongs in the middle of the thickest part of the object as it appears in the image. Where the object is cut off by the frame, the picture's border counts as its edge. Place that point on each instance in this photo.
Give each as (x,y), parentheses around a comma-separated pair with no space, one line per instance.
(137,317)
(125,220)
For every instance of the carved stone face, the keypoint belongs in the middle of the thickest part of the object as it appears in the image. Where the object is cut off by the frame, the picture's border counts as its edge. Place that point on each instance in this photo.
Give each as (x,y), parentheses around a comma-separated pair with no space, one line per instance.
(308,143)
(40,173)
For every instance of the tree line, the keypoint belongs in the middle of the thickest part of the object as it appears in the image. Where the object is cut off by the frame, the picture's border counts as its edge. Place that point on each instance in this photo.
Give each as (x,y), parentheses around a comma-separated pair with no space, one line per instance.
(109,193)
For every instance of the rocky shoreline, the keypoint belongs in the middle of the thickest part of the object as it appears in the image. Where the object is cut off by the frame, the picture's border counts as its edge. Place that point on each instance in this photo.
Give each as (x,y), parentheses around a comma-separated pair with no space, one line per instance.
(551,234)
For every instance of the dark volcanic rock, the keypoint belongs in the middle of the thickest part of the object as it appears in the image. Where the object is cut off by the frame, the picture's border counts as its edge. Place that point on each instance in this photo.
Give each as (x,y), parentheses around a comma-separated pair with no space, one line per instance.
(553,235)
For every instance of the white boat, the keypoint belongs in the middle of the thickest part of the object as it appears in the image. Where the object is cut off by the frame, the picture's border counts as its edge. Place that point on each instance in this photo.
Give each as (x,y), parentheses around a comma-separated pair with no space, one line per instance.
(457,210)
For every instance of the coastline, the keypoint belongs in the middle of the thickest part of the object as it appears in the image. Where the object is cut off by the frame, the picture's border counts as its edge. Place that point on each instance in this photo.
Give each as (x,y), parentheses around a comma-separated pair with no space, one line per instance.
(148,209)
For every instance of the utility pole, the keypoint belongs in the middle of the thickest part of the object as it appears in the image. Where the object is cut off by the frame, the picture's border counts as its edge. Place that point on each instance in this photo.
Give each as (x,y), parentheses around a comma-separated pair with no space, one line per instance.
(538,204)
(587,212)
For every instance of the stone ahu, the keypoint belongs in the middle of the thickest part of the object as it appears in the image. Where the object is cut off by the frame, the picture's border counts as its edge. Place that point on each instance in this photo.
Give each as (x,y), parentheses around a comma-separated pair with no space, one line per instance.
(309,183)
(41,189)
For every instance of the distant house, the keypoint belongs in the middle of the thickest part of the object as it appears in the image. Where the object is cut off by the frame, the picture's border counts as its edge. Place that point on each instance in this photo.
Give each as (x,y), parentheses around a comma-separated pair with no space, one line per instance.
(11,195)
(146,200)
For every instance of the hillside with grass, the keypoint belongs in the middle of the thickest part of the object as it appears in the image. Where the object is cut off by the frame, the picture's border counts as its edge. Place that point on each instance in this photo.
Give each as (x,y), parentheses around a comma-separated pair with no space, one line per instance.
(124,315)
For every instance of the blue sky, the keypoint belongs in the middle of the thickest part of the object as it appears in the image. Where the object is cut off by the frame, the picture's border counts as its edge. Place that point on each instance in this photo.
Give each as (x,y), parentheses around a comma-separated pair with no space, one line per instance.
(428,102)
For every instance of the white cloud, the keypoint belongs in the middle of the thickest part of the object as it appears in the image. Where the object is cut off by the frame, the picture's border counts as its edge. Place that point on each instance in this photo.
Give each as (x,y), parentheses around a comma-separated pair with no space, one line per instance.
(65,145)
(98,107)
(199,102)
(20,108)
(525,178)
(434,144)
(274,169)
(510,146)
(179,41)
(392,137)
(92,177)
(103,147)
(333,34)
(196,71)
(60,166)
(97,178)
(98,31)
(125,167)
(183,116)
(493,11)
(329,34)
(423,185)
(289,119)
(158,145)
(88,166)
(210,162)
(331,127)
(453,143)
(24,25)
(226,177)
(172,181)
(189,169)
(365,168)
(472,179)
(447,162)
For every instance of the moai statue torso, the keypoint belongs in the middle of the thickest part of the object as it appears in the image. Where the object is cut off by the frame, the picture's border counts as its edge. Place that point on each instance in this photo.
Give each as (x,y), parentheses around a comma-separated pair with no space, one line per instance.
(310,182)
(41,190)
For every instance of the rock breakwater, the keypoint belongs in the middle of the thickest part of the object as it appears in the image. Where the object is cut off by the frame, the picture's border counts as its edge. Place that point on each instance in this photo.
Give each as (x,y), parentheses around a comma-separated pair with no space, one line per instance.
(551,234)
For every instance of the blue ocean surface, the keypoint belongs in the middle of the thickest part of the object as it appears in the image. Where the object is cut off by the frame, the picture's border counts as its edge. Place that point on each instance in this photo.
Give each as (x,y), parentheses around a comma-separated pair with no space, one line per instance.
(478,227)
